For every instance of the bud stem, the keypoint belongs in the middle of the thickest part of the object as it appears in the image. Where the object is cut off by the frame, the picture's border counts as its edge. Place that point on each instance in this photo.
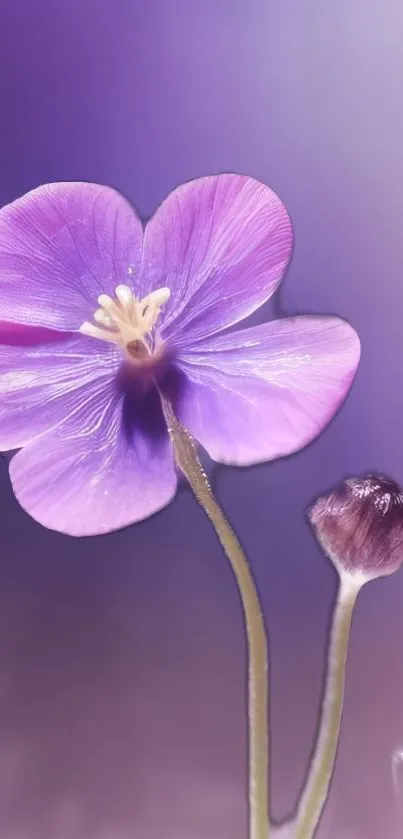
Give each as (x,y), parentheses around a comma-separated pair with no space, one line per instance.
(317,785)
(189,463)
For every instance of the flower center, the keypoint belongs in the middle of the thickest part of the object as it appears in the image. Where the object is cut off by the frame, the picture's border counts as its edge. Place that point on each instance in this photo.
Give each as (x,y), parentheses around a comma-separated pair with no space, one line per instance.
(128,322)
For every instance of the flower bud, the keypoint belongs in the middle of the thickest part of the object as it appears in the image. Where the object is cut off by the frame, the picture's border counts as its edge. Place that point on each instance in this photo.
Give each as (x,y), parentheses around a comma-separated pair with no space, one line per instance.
(360,526)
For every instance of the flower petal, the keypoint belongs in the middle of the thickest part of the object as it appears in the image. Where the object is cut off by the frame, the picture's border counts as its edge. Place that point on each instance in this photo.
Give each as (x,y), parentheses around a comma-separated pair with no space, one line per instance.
(41,384)
(264,392)
(23,335)
(221,244)
(108,465)
(61,246)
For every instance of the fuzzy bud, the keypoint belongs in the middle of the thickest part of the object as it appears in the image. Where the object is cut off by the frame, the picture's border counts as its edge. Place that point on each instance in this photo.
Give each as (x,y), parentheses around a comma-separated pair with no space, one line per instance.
(360,526)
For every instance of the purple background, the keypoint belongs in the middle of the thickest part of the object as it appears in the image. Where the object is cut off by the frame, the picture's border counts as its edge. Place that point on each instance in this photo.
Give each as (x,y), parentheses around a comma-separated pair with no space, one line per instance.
(121,658)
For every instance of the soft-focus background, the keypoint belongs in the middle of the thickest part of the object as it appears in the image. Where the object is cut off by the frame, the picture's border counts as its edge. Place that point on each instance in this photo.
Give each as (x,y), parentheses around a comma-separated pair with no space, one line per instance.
(122,668)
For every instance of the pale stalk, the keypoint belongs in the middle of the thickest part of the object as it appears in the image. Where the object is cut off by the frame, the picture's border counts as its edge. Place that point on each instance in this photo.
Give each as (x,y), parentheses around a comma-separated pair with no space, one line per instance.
(258,728)
(320,773)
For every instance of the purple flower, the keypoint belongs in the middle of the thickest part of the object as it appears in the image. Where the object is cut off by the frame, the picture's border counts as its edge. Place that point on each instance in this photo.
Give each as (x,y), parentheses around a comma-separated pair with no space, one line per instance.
(129,312)
(360,526)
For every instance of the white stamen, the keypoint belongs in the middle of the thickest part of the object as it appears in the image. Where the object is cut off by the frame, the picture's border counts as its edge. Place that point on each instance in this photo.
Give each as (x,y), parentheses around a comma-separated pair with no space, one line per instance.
(124,295)
(101,317)
(150,306)
(92,331)
(110,306)
(126,319)
(160,296)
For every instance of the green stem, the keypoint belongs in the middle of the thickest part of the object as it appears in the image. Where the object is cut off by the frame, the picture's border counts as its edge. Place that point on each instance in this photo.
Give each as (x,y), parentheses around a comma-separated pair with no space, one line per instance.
(189,463)
(317,785)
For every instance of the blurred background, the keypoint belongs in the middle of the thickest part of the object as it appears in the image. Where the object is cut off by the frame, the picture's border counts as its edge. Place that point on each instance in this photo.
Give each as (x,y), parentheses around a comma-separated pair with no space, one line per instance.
(122,660)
